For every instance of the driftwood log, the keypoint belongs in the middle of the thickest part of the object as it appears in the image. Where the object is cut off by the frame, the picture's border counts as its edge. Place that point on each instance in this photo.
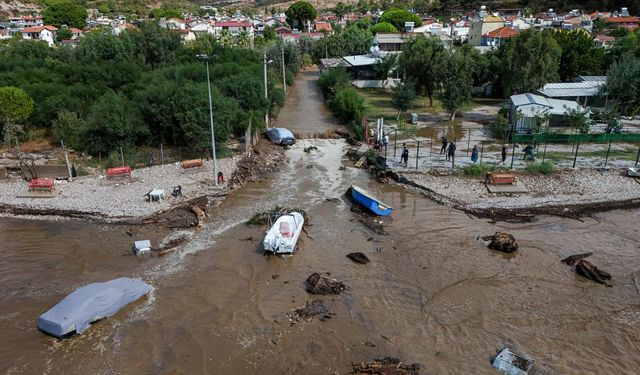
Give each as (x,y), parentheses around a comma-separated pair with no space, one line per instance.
(386,366)
(572,259)
(586,269)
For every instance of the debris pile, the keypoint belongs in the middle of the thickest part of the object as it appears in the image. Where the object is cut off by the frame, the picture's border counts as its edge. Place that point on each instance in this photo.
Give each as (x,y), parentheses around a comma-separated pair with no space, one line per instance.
(318,284)
(173,240)
(586,269)
(310,148)
(269,217)
(386,366)
(510,363)
(309,311)
(358,258)
(505,242)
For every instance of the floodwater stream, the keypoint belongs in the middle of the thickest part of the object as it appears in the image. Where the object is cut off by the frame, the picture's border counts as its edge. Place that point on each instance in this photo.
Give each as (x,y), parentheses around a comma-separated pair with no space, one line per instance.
(432,294)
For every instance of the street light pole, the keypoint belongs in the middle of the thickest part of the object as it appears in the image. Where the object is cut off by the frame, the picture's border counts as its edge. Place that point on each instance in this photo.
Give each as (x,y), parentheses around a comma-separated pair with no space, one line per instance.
(213,139)
(266,93)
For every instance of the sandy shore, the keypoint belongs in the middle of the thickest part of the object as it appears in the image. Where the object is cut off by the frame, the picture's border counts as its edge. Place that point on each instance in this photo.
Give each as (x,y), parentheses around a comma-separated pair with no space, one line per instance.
(568,190)
(98,198)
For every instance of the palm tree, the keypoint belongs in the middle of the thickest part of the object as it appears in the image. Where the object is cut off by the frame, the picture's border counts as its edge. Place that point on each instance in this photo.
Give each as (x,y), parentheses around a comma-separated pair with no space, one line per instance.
(225,39)
(245,40)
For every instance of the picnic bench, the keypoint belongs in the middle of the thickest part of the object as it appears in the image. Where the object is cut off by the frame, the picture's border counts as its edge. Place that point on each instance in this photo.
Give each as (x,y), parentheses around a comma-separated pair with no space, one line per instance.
(114,172)
(193,163)
(500,178)
(42,184)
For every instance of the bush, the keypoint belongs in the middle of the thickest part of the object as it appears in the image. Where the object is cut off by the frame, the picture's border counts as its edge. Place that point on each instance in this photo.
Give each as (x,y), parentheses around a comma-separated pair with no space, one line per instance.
(545,167)
(477,169)
(331,80)
(500,129)
(347,105)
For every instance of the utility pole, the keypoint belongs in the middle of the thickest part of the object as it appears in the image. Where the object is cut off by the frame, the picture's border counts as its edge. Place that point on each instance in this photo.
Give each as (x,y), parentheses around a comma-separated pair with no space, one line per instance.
(284,75)
(213,138)
(266,92)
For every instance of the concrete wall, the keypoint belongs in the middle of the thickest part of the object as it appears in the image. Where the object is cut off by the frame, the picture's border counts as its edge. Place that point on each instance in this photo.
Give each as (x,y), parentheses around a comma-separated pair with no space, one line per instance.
(375,84)
(48,171)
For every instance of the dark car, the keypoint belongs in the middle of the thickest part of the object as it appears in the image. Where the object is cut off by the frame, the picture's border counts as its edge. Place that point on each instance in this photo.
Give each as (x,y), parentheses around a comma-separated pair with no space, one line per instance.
(281,136)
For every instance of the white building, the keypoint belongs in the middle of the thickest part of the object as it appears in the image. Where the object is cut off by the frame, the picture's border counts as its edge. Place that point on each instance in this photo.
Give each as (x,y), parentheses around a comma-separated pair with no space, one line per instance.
(45,33)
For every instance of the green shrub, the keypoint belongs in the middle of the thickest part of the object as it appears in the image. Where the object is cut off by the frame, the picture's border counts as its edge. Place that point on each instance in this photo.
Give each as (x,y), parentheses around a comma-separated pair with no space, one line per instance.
(477,169)
(332,80)
(545,167)
(347,105)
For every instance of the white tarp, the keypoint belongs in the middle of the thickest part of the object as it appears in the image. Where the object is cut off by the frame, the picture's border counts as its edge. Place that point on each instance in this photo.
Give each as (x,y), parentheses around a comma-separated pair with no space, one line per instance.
(91,303)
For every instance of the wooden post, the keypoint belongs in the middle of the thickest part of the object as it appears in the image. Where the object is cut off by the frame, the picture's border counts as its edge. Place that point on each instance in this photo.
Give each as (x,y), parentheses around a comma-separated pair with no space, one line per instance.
(66,158)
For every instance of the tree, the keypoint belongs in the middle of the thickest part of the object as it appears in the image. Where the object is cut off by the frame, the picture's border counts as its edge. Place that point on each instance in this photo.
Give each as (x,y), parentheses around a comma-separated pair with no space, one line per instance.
(578,119)
(225,39)
(347,105)
(383,27)
(404,96)
(244,40)
(579,54)
(63,34)
(332,80)
(386,66)
(397,17)
(528,61)
(66,127)
(623,84)
(64,12)
(422,62)
(341,9)
(299,13)
(457,83)
(16,106)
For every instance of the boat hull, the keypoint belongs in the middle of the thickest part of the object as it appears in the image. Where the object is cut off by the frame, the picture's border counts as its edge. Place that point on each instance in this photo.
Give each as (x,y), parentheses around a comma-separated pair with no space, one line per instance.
(369,202)
(282,237)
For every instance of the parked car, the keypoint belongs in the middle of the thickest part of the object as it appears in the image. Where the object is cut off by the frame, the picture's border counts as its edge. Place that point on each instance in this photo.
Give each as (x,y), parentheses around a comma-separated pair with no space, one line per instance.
(281,136)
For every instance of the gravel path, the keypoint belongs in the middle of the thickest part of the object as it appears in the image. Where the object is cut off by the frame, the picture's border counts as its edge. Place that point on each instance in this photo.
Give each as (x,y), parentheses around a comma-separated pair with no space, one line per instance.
(114,199)
(566,187)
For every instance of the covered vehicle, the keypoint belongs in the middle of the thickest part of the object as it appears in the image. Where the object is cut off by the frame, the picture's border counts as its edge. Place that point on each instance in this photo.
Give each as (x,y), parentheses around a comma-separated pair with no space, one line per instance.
(91,303)
(281,136)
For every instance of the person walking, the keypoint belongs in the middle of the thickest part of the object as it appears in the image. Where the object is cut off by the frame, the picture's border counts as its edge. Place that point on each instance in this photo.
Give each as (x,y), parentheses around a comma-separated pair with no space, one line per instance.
(405,155)
(474,154)
(452,153)
(443,150)
(504,154)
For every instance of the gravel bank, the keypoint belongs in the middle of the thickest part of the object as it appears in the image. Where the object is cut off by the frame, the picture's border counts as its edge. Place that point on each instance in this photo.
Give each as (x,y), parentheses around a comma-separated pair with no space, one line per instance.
(562,188)
(113,200)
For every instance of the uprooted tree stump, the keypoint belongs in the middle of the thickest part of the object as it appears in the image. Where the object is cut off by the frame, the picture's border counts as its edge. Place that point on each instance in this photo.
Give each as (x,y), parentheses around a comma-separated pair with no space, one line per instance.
(318,284)
(386,366)
(270,217)
(358,258)
(502,241)
(591,272)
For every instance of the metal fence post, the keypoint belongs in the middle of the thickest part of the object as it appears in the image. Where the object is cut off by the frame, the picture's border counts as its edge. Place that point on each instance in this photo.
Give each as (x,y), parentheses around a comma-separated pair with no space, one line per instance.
(638,156)
(606,159)
(161,154)
(513,154)
(417,154)
(395,142)
(431,144)
(544,153)
(468,142)
(575,157)
(481,151)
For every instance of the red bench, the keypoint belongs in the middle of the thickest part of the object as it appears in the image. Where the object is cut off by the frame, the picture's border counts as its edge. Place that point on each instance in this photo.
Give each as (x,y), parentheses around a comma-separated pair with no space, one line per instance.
(118,172)
(43,184)
(501,178)
(193,163)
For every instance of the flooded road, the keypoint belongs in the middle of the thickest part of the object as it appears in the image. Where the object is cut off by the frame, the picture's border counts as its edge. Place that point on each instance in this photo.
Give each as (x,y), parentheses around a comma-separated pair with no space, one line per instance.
(432,293)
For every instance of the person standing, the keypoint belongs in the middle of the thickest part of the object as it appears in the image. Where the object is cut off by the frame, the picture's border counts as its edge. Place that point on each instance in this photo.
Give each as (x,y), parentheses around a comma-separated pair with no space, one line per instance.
(504,154)
(452,153)
(385,141)
(474,154)
(405,155)
(443,150)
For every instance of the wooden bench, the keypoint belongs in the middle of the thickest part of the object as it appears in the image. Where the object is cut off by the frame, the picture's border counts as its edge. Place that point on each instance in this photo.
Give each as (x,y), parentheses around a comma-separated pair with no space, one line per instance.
(42,184)
(500,178)
(193,163)
(114,172)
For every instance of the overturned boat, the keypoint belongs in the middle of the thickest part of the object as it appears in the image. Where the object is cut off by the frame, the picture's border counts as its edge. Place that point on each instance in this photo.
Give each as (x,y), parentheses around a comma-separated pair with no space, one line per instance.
(89,304)
(284,233)
(368,201)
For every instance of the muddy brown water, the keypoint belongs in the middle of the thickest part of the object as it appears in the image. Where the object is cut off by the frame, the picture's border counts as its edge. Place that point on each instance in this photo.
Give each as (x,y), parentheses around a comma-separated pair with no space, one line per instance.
(432,293)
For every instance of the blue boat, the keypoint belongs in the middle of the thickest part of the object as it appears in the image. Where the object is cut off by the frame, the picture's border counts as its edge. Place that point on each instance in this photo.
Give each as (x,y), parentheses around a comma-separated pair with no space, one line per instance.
(369,202)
